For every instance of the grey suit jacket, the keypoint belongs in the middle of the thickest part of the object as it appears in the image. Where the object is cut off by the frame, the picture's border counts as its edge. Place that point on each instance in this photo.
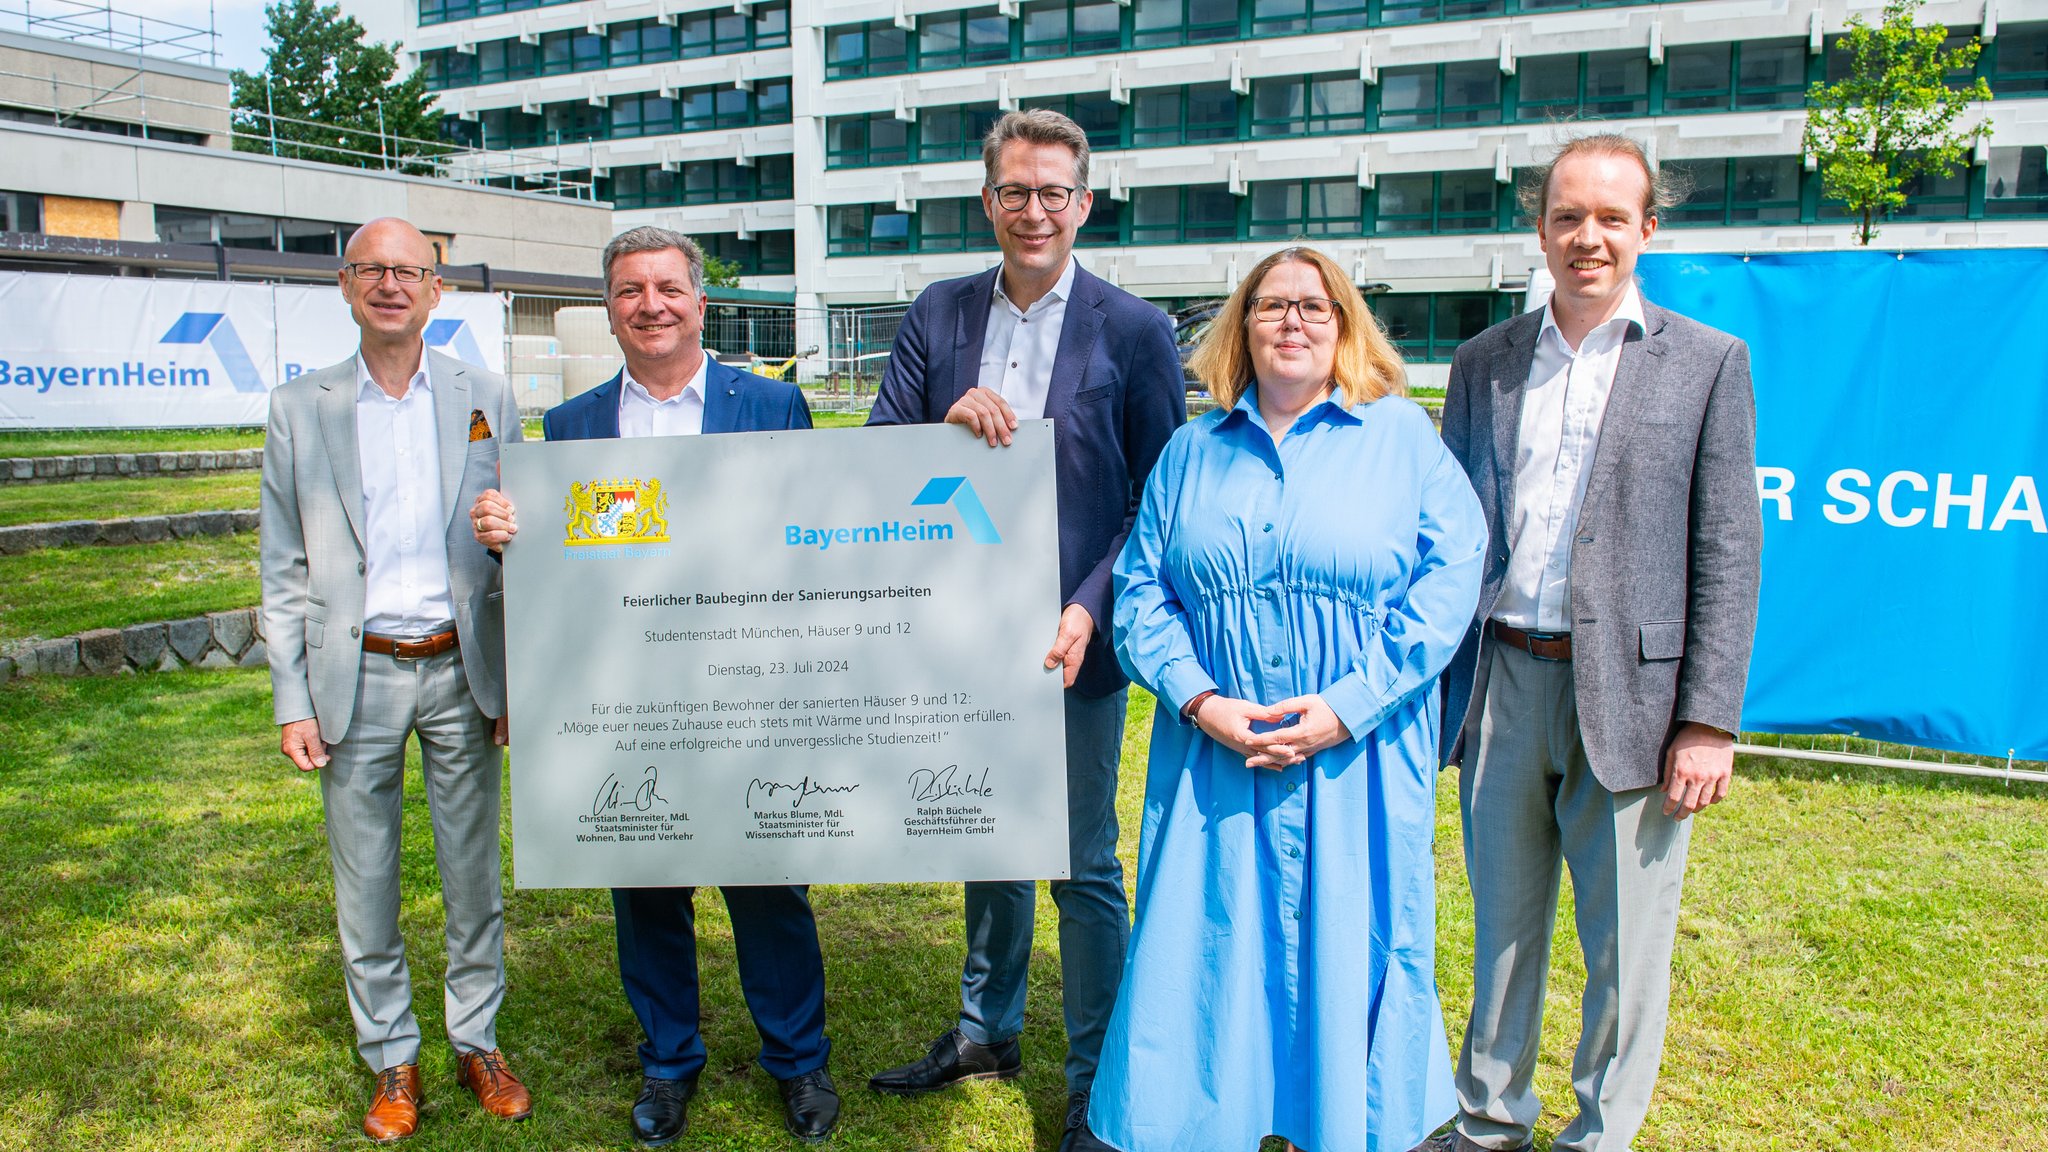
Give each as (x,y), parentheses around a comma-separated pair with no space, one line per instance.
(1666,560)
(313,564)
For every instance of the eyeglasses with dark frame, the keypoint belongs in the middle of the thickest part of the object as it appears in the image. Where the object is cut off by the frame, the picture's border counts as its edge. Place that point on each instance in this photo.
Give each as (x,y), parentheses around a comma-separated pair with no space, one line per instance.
(403,273)
(1311,309)
(1051,197)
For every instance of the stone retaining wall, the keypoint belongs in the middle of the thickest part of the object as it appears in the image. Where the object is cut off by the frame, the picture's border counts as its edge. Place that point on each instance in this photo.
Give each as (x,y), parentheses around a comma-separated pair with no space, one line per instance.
(42,469)
(138,530)
(231,639)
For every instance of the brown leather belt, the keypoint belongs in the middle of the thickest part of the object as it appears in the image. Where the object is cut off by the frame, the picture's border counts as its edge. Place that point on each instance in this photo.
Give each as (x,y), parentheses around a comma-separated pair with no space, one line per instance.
(409,647)
(1541,645)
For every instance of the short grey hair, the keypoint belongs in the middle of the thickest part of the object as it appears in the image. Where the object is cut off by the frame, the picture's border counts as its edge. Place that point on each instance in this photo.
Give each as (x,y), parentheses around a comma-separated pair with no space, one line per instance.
(1036,126)
(1665,190)
(651,239)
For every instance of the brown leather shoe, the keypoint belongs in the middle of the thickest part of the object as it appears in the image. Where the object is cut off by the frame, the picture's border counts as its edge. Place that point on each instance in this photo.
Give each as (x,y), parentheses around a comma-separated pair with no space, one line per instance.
(395,1110)
(500,1092)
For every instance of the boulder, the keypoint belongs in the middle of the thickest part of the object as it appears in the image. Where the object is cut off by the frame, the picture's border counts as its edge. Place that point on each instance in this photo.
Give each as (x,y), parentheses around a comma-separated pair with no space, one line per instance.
(232,630)
(190,638)
(144,643)
(101,651)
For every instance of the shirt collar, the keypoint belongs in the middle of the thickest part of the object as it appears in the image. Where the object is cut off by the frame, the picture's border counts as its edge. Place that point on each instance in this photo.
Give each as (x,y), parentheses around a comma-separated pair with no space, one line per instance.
(367,384)
(637,392)
(1062,290)
(1328,411)
(1630,312)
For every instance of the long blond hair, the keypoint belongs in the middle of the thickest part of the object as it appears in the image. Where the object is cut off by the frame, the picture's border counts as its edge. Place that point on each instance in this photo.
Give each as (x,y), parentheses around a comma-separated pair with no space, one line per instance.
(1366,366)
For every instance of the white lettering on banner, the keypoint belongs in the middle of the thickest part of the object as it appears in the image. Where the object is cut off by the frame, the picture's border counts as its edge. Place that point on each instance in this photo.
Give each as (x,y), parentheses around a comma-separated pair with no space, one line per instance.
(1897,504)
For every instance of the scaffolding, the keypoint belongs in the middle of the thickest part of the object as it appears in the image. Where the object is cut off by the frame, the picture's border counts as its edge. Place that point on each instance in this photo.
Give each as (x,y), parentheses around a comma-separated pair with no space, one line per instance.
(105,26)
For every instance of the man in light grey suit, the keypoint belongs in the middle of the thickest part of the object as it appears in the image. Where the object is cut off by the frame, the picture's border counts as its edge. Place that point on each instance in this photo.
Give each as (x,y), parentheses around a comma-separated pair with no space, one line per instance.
(1594,704)
(384,619)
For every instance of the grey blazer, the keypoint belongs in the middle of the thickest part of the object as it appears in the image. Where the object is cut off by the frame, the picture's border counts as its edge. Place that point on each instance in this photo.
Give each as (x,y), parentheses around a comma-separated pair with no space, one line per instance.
(1665,565)
(312,537)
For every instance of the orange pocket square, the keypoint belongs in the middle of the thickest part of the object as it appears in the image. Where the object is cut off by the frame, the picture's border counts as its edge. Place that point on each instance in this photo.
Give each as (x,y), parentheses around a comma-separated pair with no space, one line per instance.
(479,427)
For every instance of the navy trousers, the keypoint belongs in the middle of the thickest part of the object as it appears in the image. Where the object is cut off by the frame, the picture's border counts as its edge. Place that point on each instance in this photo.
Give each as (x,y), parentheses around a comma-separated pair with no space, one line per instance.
(782,973)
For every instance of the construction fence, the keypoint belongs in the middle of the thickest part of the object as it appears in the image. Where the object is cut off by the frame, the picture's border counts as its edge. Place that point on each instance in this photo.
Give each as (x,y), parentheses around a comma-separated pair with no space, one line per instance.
(562,346)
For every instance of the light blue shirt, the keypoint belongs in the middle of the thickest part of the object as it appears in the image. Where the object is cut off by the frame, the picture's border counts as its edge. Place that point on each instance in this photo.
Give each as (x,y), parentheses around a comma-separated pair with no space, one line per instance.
(1282,973)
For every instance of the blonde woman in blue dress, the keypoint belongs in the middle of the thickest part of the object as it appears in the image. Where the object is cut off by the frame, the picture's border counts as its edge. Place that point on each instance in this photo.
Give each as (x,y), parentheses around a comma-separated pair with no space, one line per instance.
(1305,561)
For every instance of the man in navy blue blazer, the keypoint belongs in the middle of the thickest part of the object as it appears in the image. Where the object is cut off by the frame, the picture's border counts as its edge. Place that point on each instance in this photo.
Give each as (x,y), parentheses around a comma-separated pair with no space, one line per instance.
(1040,337)
(654,293)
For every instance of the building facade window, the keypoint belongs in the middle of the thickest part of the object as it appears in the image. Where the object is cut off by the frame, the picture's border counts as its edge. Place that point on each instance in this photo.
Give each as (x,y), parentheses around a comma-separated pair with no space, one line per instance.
(1294,17)
(1056,28)
(762,254)
(866,230)
(1748,190)
(1439,95)
(1096,114)
(1285,209)
(1308,105)
(2016,182)
(953,133)
(22,212)
(1186,114)
(1177,215)
(620,45)
(955,224)
(1427,327)
(1438,202)
(1583,86)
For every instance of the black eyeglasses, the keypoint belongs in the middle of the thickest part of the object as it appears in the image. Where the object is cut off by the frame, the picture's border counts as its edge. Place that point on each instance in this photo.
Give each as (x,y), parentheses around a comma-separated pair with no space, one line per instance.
(1312,310)
(403,273)
(1051,197)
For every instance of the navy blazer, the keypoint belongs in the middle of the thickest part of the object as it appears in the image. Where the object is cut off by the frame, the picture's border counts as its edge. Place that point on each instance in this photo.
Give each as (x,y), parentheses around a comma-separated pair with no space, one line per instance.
(734,401)
(1116,396)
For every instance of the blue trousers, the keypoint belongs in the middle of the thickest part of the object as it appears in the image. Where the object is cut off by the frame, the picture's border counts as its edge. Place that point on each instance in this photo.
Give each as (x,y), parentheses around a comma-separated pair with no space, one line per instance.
(782,973)
(1095,918)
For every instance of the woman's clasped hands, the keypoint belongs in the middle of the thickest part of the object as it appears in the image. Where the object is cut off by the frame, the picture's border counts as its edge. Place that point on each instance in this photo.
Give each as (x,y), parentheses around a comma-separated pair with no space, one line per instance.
(1304,726)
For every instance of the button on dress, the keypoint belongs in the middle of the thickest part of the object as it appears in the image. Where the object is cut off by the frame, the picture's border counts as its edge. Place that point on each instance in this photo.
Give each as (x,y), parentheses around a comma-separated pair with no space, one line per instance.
(1281,976)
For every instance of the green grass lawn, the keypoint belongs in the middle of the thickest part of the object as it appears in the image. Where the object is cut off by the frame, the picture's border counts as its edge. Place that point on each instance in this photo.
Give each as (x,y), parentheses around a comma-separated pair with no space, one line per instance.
(1859,964)
(115,499)
(59,591)
(89,442)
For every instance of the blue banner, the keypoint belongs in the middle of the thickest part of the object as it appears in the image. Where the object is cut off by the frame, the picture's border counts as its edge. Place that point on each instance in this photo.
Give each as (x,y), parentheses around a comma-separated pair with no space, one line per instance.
(1902,442)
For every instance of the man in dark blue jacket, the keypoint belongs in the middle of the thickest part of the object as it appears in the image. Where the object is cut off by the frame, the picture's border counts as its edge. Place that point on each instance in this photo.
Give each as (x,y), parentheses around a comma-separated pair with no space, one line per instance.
(654,292)
(1040,337)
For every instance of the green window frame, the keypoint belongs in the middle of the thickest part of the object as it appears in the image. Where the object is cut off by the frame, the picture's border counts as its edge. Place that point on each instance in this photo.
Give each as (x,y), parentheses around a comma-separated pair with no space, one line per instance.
(877,48)
(1105,223)
(1285,209)
(953,224)
(1582,85)
(1738,75)
(771,26)
(718,32)
(867,230)
(961,38)
(1743,190)
(1295,17)
(572,50)
(867,140)
(1427,327)
(1183,114)
(1308,105)
(1422,96)
(1437,203)
(2016,182)
(1387,12)
(639,42)
(642,114)
(1096,114)
(1050,29)
(1179,214)
(2016,63)
(953,133)
(1170,23)
(762,254)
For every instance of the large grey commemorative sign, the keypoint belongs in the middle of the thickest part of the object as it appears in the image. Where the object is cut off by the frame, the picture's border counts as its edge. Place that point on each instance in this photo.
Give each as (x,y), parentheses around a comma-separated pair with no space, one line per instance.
(784,657)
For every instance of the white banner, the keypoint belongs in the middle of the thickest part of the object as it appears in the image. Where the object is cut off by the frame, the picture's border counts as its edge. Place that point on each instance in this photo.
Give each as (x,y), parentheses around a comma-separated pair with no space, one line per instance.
(114,352)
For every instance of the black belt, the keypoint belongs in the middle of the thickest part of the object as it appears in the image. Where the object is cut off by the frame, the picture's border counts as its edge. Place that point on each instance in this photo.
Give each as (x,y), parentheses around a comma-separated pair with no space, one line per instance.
(1541,645)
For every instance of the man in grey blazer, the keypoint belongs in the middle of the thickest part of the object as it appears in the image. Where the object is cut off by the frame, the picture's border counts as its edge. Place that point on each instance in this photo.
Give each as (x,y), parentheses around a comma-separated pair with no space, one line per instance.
(1594,703)
(384,620)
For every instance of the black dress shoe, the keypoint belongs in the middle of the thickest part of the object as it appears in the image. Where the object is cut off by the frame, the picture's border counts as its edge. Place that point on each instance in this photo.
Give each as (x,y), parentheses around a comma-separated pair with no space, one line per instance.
(810,1105)
(663,1110)
(1078,1137)
(952,1058)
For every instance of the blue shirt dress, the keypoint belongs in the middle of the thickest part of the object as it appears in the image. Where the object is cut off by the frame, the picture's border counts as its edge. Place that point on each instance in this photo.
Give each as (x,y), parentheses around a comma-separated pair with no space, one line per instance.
(1281,977)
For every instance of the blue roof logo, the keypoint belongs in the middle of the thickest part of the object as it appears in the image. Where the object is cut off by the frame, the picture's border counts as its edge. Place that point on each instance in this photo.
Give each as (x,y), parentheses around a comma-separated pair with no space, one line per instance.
(973,516)
(216,331)
(456,338)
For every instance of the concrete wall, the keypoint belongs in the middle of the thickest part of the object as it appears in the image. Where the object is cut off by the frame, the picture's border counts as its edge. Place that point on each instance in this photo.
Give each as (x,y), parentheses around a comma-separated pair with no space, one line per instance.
(108,85)
(483,225)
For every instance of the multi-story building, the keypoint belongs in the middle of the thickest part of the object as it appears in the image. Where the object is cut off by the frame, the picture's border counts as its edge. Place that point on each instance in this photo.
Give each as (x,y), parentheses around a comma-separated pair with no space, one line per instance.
(831,146)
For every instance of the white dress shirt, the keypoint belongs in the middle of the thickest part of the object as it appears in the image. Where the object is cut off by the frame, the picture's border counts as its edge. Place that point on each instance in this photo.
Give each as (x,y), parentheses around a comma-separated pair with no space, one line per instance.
(682,414)
(1021,344)
(1562,407)
(405,528)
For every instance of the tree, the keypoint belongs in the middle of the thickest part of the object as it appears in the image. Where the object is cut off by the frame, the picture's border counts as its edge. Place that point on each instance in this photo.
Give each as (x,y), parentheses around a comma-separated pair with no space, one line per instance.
(721,273)
(326,95)
(1892,119)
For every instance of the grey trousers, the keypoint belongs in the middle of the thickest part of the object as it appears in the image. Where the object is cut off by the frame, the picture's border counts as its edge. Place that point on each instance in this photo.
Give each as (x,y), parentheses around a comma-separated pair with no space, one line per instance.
(362,789)
(1528,799)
